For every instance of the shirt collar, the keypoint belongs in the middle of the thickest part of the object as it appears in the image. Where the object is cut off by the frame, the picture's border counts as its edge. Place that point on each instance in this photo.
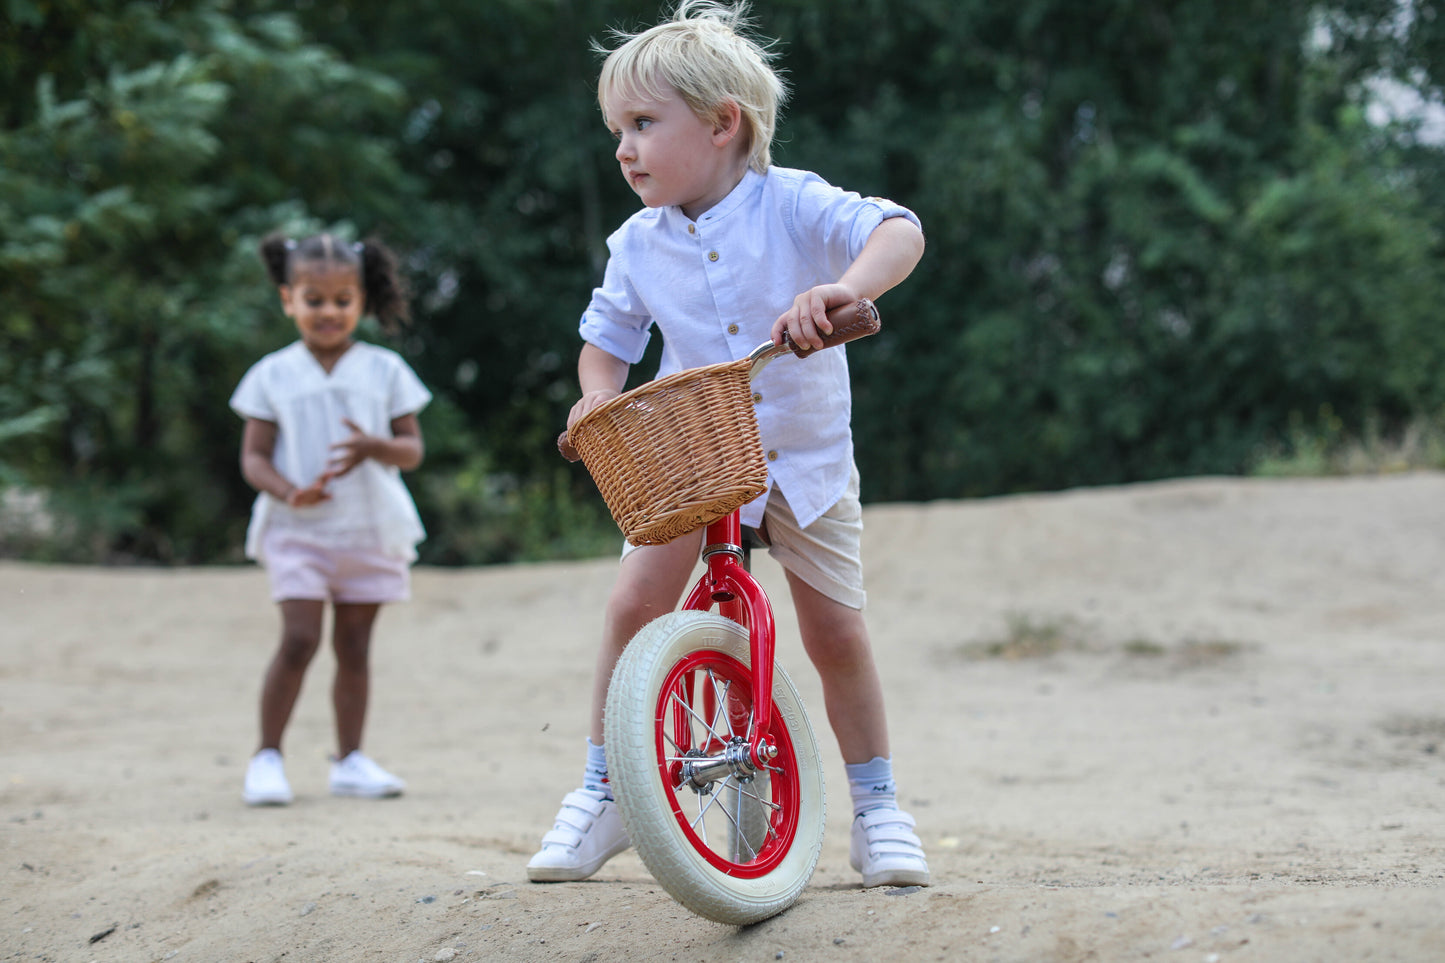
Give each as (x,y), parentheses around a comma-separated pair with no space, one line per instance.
(751,183)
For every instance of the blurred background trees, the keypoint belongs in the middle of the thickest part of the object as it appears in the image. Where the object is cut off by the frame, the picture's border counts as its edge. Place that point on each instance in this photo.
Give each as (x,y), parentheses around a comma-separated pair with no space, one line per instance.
(1164,239)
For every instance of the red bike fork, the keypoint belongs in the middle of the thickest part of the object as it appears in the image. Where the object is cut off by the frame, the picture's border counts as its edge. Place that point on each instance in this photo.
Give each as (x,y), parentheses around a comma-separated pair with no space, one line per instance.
(737,595)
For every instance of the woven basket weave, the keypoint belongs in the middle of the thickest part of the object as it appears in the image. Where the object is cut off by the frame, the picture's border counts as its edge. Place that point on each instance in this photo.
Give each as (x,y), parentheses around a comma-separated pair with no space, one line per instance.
(677,453)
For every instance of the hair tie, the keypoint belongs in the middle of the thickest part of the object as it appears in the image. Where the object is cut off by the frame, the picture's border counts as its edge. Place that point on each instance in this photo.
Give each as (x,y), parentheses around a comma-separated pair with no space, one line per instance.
(290,244)
(358,247)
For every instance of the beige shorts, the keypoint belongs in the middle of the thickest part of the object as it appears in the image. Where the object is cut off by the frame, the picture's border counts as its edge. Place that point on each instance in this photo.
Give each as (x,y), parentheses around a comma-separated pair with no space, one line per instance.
(303,568)
(826,555)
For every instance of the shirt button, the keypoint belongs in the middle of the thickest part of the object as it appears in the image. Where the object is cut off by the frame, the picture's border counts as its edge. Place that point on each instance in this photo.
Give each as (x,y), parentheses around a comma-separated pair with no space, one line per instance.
(757,397)
(732,329)
(772,456)
(712,255)
(692,229)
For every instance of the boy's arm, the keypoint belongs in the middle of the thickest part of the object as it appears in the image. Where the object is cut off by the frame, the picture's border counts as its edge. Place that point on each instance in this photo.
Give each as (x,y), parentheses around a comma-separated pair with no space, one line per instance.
(602,377)
(893,250)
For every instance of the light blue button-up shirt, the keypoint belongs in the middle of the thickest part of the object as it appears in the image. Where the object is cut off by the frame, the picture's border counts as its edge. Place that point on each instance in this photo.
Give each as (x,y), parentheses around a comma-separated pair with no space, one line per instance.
(714,287)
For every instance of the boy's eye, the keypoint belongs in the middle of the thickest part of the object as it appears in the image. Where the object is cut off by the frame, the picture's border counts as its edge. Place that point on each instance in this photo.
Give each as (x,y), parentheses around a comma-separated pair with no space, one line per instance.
(643,123)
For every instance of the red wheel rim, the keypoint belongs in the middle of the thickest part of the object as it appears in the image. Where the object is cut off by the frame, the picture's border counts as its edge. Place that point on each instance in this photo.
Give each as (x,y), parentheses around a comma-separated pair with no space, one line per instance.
(681,724)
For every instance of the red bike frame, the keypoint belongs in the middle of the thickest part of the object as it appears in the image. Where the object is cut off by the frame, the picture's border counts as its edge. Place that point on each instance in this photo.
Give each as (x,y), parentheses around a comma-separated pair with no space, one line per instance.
(727,584)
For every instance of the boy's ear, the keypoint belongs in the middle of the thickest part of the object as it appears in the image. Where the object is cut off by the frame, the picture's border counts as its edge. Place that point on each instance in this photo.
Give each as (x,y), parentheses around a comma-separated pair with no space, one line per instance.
(728,123)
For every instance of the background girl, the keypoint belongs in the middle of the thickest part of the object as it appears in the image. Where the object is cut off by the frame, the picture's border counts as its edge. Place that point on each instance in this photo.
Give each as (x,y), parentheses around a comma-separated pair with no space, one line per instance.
(330,424)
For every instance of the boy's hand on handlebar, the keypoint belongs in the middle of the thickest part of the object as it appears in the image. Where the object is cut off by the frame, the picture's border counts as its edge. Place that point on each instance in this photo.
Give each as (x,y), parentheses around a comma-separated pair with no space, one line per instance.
(807,320)
(589,401)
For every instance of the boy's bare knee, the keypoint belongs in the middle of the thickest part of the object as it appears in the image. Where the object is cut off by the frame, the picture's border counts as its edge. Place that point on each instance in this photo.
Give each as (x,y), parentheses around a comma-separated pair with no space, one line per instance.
(628,613)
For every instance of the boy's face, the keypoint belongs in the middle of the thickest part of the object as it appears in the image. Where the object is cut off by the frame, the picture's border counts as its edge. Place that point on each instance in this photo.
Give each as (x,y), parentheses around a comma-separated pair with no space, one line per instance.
(669,155)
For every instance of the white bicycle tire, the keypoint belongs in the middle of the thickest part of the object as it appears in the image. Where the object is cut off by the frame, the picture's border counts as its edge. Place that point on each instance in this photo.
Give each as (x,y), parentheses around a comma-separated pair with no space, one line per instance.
(645,800)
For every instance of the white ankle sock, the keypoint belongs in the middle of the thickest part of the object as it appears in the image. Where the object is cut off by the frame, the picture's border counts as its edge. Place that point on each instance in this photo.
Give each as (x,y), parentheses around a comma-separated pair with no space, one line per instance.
(594,775)
(871,785)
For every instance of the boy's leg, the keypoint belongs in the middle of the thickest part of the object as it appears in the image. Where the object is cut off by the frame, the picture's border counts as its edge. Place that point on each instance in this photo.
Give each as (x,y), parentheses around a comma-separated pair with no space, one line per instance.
(650,582)
(836,640)
(588,830)
(883,846)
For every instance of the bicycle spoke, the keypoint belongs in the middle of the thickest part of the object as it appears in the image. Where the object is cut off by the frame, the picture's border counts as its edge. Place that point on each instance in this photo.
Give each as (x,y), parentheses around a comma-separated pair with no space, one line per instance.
(766,803)
(687,707)
(739,835)
(722,703)
(699,824)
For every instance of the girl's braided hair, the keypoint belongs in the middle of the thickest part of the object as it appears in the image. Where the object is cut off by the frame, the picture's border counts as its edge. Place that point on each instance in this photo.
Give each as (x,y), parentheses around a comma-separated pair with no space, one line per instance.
(382,284)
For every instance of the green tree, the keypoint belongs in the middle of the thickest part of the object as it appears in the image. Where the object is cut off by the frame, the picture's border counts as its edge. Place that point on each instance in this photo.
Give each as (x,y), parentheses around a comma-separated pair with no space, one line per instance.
(1155,231)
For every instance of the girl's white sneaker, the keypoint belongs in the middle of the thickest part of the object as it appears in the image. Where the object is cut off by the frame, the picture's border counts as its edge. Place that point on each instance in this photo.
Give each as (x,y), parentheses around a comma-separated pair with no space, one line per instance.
(266,783)
(357,775)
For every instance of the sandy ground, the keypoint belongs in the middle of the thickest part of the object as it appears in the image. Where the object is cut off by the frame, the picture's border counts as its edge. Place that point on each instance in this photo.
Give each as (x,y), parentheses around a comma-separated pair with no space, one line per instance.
(1191,721)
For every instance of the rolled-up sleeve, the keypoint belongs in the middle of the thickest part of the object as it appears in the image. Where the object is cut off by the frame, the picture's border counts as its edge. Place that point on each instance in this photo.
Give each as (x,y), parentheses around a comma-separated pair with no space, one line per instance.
(616,319)
(844,220)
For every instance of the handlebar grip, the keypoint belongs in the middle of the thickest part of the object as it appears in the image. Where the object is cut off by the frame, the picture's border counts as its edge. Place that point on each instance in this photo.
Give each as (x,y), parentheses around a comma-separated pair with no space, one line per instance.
(850,322)
(564,447)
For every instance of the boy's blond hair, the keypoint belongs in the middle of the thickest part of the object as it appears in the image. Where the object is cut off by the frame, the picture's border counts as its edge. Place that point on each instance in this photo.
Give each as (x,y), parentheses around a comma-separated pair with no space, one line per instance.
(702,54)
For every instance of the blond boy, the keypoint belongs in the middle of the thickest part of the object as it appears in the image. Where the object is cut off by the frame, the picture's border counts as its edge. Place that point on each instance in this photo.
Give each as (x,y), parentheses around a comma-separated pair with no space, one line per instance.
(728,252)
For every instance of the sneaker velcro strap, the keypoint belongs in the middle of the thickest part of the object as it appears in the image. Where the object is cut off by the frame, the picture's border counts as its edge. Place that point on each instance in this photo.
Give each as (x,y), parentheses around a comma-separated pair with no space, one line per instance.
(888,831)
(588,803)
(882,817)
(579,811)
(569,837)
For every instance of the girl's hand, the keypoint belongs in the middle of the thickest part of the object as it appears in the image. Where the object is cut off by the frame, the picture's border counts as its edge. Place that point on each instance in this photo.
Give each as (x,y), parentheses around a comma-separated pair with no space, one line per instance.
(807,320)
(312,494)
(589,401)
(346,455)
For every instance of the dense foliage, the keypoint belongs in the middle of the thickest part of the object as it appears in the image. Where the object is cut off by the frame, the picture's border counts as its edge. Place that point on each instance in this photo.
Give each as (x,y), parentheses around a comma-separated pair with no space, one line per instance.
(1161,236)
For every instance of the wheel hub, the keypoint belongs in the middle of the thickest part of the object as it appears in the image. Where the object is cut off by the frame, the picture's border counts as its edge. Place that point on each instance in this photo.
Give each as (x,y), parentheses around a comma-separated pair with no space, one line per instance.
(735,760)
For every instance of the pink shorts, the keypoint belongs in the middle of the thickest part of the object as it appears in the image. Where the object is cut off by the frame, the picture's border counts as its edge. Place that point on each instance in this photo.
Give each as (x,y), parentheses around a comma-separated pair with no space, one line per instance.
(301,568)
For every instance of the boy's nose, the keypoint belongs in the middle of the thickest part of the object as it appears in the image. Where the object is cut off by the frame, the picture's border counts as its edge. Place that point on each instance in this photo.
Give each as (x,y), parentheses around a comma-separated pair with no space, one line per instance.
(624,150)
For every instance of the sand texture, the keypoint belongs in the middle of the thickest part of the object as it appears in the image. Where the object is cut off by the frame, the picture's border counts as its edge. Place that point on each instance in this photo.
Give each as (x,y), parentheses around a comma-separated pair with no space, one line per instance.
(1192,721)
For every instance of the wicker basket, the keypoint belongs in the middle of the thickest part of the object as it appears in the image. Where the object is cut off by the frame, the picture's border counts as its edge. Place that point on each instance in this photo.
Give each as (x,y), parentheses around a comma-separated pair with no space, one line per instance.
(677,453)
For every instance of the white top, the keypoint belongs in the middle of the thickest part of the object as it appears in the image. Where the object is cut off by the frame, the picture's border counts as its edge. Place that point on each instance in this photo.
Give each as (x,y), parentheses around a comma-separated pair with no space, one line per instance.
(714,287)
(370,385)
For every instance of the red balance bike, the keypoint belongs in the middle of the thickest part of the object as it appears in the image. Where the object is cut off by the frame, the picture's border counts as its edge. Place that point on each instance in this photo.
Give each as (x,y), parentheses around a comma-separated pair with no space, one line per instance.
(710,753)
